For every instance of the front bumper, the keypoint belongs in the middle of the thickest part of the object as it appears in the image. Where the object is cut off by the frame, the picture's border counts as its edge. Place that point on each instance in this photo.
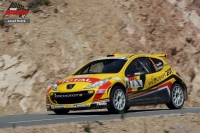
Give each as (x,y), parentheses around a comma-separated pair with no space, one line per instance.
(76,100)
(97,105)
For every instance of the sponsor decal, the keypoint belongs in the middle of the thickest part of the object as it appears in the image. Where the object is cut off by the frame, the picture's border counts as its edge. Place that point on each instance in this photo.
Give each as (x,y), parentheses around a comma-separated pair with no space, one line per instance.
(138,73)
(154,91)
(128,84)
(136,83)
(159,65)
(100,91)
(116,78)
(161,77)
(125,80)
(80,105)
(133,83)
(68,95)
(57,107)
(157,79)
(17,9)
(76,80)
(101,103)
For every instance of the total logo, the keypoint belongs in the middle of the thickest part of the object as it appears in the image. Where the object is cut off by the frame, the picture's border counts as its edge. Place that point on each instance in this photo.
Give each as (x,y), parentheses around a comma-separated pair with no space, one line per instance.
(102,104)
(76,80)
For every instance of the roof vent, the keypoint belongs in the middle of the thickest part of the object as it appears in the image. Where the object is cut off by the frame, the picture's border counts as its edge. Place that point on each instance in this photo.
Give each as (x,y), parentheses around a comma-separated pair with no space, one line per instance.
(110,55)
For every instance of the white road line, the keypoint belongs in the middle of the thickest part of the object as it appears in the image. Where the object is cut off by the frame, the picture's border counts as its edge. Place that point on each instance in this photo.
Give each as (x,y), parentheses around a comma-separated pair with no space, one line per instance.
(191,108)
(51,119)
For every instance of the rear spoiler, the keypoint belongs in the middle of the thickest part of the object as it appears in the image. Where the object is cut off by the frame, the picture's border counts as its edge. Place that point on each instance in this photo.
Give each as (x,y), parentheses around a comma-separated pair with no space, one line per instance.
(162,55)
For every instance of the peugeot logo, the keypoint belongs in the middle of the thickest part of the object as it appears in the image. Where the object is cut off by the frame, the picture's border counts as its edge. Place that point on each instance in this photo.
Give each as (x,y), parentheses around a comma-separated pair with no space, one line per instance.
(68,95)
(70,86)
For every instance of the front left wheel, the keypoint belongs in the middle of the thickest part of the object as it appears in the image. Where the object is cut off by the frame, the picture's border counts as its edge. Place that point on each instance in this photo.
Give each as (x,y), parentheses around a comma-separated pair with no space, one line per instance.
(61,111)
(117,100)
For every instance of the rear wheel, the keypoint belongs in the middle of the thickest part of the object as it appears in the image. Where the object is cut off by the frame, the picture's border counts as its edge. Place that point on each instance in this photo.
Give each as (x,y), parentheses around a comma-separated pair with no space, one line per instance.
(59,111)
(117,100)
(177,97)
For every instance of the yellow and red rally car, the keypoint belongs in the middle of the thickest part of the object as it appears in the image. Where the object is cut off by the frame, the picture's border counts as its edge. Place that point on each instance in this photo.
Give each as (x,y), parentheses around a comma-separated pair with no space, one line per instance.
(117,82)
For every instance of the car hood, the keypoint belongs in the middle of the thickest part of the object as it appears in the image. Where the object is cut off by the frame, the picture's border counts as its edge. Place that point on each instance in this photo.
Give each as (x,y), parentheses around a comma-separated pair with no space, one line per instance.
(78,82)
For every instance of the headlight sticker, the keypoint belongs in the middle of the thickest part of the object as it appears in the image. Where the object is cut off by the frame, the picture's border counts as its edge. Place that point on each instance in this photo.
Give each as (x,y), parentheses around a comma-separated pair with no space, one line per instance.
(98,83)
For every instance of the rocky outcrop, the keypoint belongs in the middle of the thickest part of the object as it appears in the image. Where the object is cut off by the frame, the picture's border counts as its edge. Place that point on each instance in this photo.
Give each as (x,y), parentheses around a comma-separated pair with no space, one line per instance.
(17,79)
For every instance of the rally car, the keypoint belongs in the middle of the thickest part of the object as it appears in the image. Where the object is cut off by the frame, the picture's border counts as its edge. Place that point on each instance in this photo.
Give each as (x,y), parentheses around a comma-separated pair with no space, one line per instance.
(117,82)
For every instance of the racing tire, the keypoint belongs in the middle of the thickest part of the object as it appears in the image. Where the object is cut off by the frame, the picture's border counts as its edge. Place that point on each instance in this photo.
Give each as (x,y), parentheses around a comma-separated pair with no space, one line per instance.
(177,97)
(117,100)
(60,112)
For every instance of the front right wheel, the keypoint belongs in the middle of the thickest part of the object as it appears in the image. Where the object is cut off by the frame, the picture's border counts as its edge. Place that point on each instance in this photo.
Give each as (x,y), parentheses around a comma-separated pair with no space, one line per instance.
(117,100)
(177,97)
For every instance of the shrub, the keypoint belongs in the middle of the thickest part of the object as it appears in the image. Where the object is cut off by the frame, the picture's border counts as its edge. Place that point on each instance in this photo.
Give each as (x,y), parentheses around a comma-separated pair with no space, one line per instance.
(55,10)
(87,128)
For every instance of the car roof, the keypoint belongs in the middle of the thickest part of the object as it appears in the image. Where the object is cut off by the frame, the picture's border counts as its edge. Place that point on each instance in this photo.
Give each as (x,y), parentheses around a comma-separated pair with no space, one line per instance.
(126,56)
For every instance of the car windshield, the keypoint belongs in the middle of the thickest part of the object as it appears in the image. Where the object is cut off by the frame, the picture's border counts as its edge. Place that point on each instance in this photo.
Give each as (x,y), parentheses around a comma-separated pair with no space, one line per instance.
(102,66)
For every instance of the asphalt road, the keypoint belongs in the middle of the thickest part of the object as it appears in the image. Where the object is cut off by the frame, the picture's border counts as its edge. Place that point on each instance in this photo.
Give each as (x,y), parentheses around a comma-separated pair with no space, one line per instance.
(51,118)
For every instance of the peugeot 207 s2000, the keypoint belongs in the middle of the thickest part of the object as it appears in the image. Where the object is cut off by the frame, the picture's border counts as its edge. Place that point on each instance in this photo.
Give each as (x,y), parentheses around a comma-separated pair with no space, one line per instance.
(117,82)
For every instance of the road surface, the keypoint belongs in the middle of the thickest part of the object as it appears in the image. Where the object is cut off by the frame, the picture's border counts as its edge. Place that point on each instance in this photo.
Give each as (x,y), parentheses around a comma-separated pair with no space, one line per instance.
(51,118)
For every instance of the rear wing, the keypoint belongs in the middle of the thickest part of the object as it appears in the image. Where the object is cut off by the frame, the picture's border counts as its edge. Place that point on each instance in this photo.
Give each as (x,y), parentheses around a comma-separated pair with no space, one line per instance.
(162,55)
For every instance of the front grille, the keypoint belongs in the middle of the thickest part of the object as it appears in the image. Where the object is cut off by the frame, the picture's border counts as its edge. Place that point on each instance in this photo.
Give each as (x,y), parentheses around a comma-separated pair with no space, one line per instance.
(71,98)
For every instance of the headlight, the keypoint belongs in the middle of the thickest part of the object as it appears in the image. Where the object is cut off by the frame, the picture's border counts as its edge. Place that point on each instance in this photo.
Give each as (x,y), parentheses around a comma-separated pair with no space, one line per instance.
(55,87)
(98,83)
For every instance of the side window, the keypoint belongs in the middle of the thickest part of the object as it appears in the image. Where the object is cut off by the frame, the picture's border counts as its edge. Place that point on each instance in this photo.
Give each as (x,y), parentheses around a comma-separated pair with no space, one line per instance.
(146,64)
(86,70)
(156,64)
(138,65)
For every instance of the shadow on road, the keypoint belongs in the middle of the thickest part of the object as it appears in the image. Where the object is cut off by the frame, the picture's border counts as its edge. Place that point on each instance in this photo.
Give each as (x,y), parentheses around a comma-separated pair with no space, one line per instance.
(88,112)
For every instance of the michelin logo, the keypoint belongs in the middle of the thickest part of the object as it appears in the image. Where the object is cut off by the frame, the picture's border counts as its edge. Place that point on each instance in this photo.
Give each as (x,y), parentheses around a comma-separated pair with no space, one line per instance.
(102,104)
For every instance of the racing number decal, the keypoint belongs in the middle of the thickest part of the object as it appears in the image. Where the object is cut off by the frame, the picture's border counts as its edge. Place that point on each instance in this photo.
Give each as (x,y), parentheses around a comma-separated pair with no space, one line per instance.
(169,71)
